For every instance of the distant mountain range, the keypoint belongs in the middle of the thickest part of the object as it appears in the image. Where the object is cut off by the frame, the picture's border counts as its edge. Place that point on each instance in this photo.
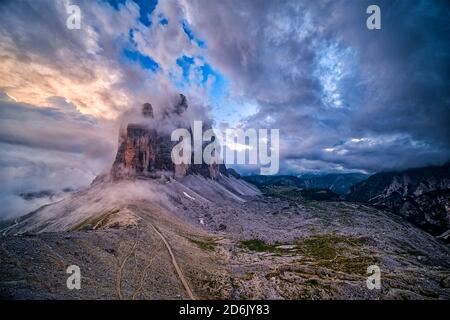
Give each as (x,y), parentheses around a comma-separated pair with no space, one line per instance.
(337,182)
(421,195)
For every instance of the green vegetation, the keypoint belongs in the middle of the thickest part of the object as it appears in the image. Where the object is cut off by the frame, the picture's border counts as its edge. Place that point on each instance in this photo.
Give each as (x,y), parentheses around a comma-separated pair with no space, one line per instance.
(288,193)
(259,246)
(347,254)
(295,194)
(207,244)
(416,253)
(320,195)
(337,252)
(96,222)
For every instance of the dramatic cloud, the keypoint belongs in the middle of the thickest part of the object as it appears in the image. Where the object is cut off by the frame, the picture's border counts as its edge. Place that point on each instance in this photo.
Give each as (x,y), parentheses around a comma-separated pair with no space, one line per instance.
(317,73)
(48,149)
(345,98)
(89,67)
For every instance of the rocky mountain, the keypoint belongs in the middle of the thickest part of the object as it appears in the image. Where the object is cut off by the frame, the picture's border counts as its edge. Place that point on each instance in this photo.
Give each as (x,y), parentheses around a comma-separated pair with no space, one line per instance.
(145,151)
(420,195)
(150,230)
(337,182)
(195,238)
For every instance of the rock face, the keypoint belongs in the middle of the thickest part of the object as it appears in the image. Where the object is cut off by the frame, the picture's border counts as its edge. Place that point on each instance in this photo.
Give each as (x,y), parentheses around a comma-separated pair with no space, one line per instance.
(145,152)
(419,195)
(429,211)
(136,154)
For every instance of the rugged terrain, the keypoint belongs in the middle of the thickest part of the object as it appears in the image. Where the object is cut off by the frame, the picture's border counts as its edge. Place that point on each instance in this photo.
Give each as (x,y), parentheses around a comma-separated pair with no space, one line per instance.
(151,230)
(421,195)
(228,241)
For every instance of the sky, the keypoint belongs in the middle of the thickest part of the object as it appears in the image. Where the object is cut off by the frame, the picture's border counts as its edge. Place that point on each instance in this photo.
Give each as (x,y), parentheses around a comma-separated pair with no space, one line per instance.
(345,98)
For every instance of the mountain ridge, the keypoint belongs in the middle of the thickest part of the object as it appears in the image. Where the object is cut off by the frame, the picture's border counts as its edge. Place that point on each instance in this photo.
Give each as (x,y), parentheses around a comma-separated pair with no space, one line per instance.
(421,195)
(143,231)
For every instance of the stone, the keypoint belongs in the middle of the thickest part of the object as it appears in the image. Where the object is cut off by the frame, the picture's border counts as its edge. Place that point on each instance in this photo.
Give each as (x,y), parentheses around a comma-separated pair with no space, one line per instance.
(445,282)
(145,152)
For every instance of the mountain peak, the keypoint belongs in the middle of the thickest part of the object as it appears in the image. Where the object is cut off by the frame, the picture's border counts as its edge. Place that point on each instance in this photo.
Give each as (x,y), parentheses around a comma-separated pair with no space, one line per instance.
(146,152)
(147,110)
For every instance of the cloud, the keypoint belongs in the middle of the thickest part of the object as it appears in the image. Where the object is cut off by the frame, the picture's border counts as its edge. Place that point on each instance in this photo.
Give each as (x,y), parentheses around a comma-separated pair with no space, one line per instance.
(317,73)
(42,58)
(49,148)
(64,93)
(344,98)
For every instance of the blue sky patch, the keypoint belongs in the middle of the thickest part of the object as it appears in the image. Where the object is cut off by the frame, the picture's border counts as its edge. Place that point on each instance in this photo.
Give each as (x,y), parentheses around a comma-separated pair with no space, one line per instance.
(146,62)
(163,20)
(185,63)
(146,7)
(191,35)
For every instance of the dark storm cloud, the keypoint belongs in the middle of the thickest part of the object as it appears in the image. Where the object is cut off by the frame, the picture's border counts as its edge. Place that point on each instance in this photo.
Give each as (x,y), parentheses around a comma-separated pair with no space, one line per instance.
(343,96)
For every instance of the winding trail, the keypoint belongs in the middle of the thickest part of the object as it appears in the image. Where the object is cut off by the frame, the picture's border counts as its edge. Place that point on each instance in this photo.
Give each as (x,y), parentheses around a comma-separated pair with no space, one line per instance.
(175,264)
(120,269)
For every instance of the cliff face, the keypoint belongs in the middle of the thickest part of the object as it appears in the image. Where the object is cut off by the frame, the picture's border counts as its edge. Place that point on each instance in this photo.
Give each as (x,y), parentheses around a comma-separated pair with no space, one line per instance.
(145,152)
(413,183)
(419,195)
(136,154)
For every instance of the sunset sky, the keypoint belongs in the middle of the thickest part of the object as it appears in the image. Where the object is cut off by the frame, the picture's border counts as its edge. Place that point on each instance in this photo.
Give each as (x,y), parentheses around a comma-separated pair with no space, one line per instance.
(345,98)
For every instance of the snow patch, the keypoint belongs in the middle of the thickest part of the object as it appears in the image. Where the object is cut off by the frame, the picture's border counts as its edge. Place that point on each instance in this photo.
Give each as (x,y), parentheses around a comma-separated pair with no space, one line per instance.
(188,196)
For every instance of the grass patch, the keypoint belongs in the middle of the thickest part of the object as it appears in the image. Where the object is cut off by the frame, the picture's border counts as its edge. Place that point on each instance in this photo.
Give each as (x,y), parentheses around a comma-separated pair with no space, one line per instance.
(248,276)
(283,192)
(259,246)
(96,222)
(295,194)
(348,254)
(339,253)
(206,244)
(316,205)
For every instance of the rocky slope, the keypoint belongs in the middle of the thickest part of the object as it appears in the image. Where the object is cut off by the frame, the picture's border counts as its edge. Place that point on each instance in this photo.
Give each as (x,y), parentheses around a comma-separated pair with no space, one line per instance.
(145,232)
(227,244)
(420,195)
